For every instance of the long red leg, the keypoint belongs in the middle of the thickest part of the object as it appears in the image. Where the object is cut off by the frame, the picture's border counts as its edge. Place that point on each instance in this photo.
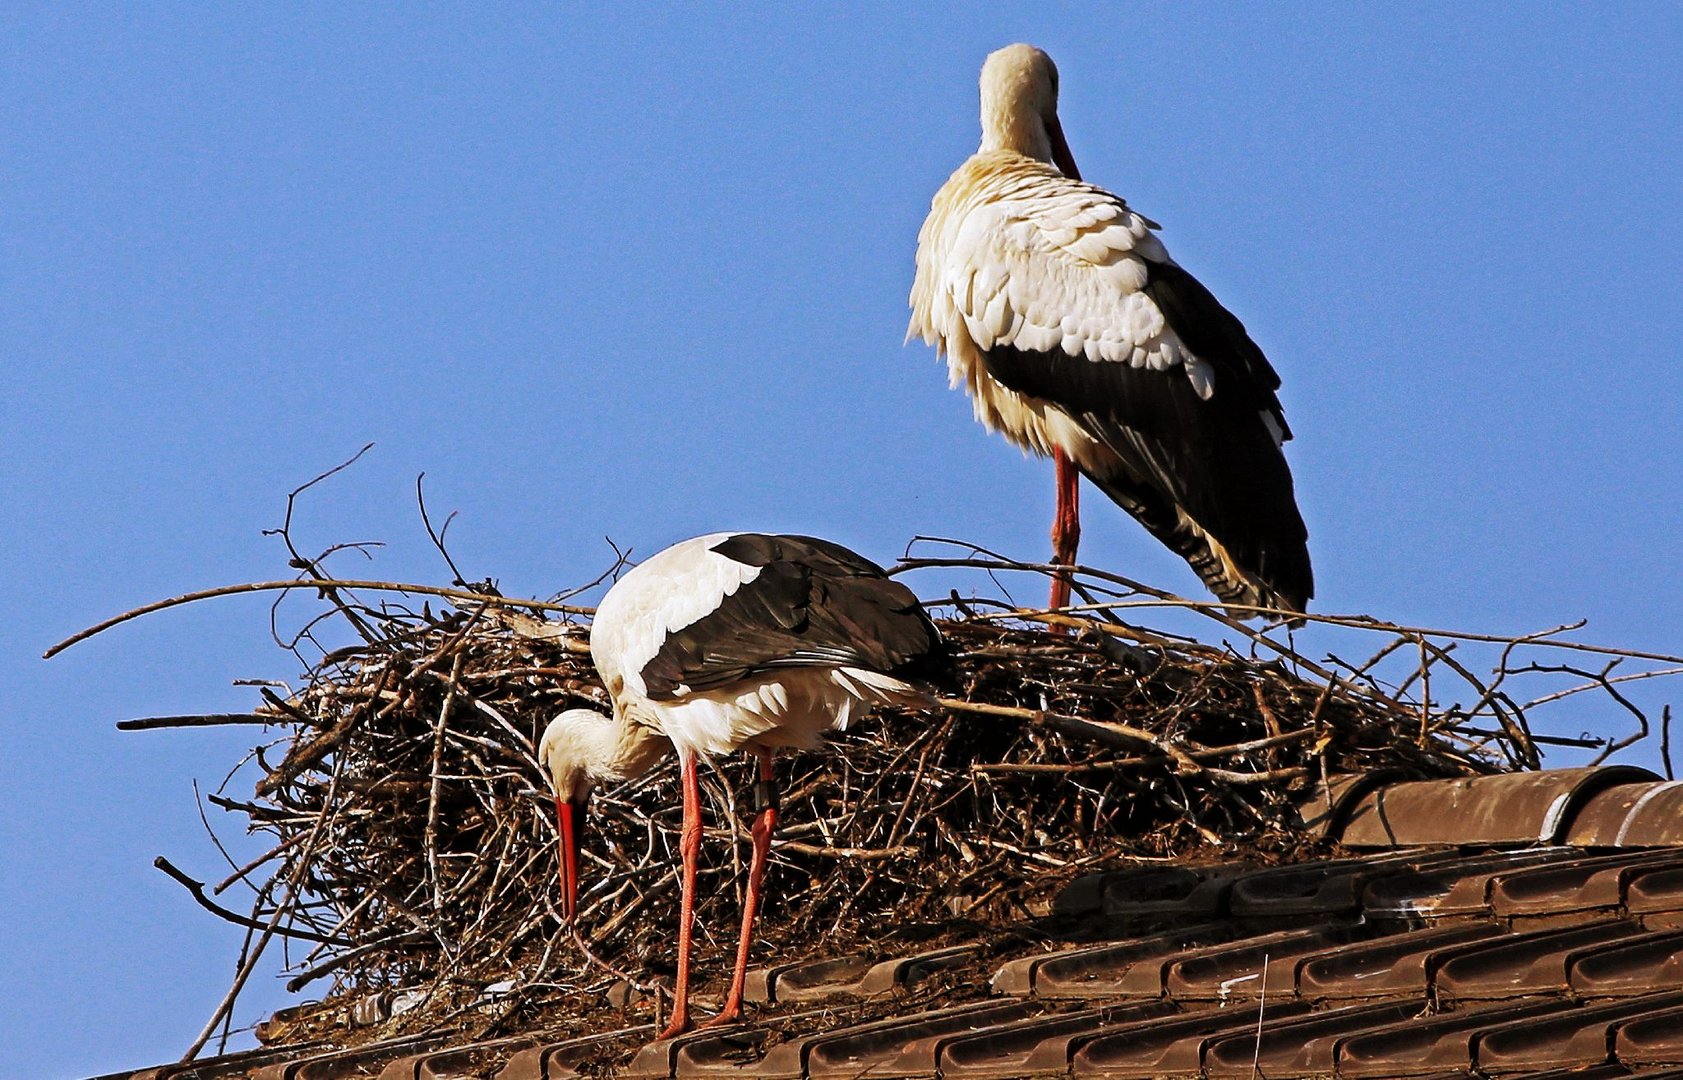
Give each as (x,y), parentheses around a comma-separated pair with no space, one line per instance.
(765,823)
(1066,528)
(690,847)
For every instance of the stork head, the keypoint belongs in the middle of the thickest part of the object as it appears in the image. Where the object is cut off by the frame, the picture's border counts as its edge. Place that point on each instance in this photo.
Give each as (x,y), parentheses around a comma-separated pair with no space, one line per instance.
(1020,106)
(579,749)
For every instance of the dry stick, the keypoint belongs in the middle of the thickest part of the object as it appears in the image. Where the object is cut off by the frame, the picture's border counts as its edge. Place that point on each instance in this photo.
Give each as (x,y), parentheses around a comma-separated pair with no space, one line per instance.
(309,565)
(206,720)
(1202,755)
(1586,742)
(1206,753)
(307,755)
(197,888)
(300,759)
(339,960)
(1613,746)
(437,537)
(281,705)
(267,814)
(568,644)
(293,888)
(1104,732)
(1513,725)
(1215,610)
(1425,693)
(662,885)
(245,950)
(345,918)
(1255,637)
(917,779)
(430,843)
(1420,669)
(527,751)
(1665,741)
(295,644)
(1269,720)
(497,888)
(921,742)
(240,872)
(1359,684)
(1070,769)
(204,819)
(862,854)
(1594,684)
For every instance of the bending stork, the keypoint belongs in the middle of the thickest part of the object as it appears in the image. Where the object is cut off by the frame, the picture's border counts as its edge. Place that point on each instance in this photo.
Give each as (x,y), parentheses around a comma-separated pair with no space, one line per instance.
(726,642)
(1076,335)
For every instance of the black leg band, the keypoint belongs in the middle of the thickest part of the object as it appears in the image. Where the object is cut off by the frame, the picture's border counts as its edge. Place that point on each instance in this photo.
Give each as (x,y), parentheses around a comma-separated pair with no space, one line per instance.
(765,795)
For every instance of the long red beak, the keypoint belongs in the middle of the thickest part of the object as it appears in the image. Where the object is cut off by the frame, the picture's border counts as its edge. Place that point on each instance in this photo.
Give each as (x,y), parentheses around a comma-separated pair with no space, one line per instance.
(569,816)
(1061,157)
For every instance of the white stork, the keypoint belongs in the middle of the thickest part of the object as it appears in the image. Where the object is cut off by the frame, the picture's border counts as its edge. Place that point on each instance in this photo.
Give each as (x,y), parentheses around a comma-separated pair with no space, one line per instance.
(725,642)
(1076,335)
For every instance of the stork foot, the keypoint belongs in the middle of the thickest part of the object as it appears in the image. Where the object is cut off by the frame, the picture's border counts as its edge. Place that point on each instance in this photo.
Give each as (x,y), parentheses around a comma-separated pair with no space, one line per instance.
(730,1014)
(680,1024)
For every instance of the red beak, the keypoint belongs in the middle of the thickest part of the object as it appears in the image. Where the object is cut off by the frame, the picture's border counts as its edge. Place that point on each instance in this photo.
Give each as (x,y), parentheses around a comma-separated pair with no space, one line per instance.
(569,816)
(1061,157)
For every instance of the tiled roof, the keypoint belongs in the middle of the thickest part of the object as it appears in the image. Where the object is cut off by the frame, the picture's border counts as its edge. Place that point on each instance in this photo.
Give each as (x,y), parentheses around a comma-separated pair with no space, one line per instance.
(1506,926)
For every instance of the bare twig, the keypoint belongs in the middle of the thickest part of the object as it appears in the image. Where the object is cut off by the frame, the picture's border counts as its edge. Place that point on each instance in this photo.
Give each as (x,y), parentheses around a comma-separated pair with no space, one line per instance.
(294,583)
(152,723)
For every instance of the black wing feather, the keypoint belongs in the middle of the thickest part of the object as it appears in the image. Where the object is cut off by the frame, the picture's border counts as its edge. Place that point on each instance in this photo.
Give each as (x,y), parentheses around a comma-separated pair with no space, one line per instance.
(814,603)
(1216,336)
(1214,459)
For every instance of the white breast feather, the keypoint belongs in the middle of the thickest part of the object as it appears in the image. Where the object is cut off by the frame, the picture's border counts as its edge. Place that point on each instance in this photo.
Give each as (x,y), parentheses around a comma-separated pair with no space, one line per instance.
(1014,253)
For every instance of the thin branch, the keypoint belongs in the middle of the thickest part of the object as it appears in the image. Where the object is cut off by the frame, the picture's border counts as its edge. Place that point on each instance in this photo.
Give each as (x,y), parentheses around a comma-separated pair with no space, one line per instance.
(197,888)
(297,583)
(437,536)
(150,723)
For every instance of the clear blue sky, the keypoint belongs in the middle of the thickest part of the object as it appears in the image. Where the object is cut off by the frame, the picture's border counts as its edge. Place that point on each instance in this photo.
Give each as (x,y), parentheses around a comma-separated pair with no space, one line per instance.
(644,276)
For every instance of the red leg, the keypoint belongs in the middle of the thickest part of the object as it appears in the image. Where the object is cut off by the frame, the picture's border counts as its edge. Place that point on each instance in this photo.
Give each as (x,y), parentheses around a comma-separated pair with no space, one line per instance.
(765,823)
(690,847)
(1066,528)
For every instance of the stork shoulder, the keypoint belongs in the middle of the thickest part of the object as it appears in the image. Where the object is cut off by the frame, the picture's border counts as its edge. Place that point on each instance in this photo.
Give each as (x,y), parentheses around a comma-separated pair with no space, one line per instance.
(1017,254)
(776,602)
(671,590)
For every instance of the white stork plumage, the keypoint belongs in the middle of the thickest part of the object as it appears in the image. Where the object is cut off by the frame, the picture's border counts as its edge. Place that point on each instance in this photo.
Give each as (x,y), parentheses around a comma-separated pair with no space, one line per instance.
(726,642)
(1076,335)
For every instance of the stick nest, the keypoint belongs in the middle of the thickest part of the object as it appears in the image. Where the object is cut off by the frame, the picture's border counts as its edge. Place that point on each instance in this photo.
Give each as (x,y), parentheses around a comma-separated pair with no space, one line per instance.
(411,847)
(415,843)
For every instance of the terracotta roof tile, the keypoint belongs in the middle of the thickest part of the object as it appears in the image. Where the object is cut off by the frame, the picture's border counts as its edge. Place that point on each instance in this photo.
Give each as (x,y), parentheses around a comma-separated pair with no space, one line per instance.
(1304,1046)
(1397,966)
(1173,1047)
(1038,1045)
(1544,936)
(1507,808)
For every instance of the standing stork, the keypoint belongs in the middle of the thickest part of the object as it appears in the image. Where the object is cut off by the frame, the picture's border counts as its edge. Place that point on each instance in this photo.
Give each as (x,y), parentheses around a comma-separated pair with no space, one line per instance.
(727,642)
(1076,335)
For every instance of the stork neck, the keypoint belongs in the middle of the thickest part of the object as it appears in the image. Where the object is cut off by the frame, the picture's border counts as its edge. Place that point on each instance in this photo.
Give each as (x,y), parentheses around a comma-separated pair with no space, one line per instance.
(617,747)
(1011,127)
